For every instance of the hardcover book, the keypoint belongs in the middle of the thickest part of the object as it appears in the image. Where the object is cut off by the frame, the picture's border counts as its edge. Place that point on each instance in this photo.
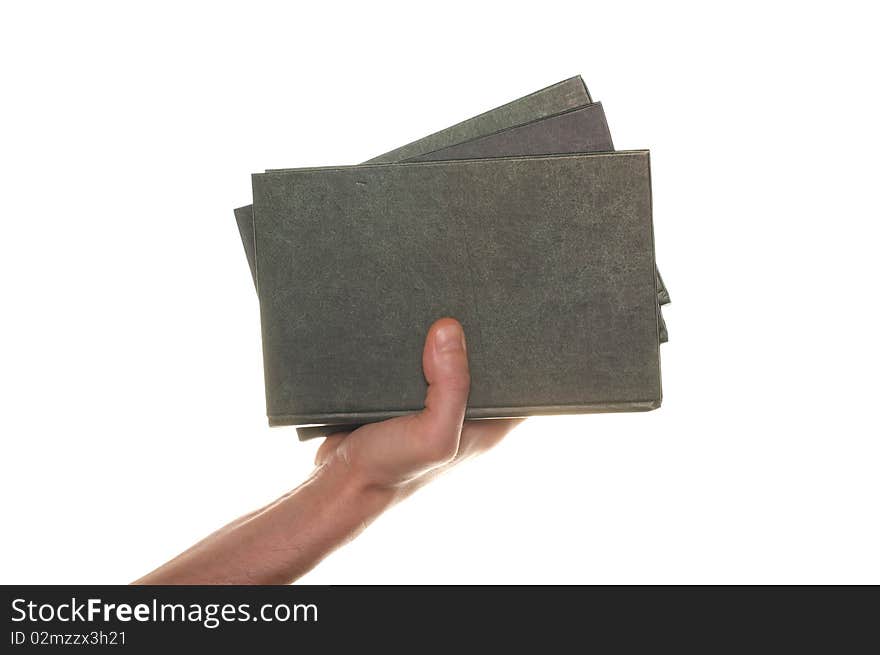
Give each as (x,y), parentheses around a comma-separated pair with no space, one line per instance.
(547,261)
(583,129)
(553,99)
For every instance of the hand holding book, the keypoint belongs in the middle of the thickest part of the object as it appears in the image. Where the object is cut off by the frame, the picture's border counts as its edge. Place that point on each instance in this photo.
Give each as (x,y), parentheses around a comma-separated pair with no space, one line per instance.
(358,475)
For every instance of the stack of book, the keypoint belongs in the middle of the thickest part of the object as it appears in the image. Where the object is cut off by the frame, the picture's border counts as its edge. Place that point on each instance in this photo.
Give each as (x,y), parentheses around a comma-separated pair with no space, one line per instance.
(523,223)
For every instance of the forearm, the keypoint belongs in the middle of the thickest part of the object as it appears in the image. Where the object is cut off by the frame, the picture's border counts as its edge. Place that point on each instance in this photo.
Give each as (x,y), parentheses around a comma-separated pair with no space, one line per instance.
(359,475)
(280,542)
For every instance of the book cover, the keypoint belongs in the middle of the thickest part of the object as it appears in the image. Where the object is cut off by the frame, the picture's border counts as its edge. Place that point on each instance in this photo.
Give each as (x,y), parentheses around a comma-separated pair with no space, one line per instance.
(582,129)
(553,99)
(547,261)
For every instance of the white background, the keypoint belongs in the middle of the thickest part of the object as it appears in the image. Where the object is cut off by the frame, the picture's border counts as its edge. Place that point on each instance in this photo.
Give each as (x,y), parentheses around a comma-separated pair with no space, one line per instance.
(132,401)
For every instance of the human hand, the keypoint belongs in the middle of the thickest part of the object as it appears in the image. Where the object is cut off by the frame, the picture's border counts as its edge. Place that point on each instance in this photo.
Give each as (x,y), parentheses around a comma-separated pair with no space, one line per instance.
(403,453)
(359,474)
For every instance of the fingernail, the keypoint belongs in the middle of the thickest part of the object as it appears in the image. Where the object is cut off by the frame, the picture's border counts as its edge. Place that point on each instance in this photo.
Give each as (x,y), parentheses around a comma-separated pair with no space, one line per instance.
(449,338)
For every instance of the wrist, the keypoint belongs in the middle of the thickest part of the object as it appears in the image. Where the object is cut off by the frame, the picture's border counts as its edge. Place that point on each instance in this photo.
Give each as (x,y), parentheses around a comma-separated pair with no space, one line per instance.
(350,490)
(328,510)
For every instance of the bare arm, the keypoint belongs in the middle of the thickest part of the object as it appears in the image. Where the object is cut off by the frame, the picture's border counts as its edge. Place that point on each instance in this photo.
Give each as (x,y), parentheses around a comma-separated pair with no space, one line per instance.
(358,475)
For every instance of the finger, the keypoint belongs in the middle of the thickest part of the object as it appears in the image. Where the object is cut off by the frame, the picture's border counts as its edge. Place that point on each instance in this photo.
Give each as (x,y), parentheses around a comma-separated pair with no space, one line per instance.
(445,365)
(328,447)
(476,437)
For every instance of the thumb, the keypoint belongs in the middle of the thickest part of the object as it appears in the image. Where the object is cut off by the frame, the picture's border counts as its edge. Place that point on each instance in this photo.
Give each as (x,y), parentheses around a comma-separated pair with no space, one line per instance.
(445,365)
(402,447)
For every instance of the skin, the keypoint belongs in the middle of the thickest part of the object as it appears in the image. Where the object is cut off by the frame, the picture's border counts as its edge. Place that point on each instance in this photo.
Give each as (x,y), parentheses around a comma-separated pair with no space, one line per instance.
(358,476)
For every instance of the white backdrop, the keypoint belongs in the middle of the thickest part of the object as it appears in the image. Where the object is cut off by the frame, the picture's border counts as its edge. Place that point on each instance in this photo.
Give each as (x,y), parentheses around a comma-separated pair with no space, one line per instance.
(132,419)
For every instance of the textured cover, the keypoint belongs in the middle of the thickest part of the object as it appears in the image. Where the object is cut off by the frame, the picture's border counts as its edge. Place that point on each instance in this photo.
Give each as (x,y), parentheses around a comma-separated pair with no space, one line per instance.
(244,218)
(553,99)
(547,261)
(583,129)
(662,291)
